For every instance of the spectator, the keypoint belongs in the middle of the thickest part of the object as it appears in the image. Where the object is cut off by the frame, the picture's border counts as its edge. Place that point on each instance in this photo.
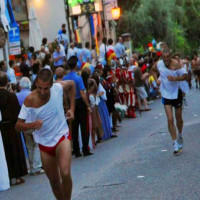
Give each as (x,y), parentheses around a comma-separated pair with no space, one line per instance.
(86,54)
(63,36)
(46,63)
(4,178)
(35,65)
(11,73)
(58,57)
(60,72)
(82,107)
(44,44)
(24,68)
(14,152)
(71,51)
(103,49)
(31,51)
(119,48)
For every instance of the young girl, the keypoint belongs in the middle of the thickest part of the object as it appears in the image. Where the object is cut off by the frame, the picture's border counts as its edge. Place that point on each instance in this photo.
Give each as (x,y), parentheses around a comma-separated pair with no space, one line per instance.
(96,121)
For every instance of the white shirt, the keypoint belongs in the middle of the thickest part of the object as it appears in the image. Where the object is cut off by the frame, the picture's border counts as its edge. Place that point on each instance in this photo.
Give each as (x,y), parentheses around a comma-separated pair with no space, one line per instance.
(111,47)
(47,67)
(52,114)
(169,89)
(11,75)
(62,49)
(101,89)
(71,52)
(103,49)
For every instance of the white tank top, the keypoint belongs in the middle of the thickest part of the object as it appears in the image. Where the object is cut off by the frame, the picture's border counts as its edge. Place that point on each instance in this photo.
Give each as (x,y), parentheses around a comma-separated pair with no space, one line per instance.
(169,89)
(52,114)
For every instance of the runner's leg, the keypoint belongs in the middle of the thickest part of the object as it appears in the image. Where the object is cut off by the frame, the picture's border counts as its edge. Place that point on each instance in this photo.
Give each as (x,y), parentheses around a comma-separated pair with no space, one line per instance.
(170,119)
(63,153)
(179,119)
(50,166)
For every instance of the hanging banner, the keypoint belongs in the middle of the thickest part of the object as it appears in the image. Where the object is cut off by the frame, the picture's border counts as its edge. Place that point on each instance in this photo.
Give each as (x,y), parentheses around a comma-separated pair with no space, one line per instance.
(14,40)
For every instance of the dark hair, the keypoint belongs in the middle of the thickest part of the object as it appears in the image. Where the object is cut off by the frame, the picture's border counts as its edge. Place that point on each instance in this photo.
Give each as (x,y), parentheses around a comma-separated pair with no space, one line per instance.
(31,49)
(11,63)
(177,54)
(110,41)
(87,45)
(140,63)
(91,82)
(80,45)
(23,58)
(104,40)
(46,60)
(34,56)
(63,25)
(3,79)
(44,40)
(106,70)
(85,76)
(93,46)
(95,76)
(64,31)
(45,75)
(1,64)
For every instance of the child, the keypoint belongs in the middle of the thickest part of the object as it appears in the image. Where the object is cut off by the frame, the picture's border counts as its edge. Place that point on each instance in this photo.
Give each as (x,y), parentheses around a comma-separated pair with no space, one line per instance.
(96,121)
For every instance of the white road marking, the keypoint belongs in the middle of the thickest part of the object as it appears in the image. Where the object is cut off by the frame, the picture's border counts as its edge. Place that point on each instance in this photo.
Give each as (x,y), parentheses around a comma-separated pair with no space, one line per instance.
(140,176)
(164,150)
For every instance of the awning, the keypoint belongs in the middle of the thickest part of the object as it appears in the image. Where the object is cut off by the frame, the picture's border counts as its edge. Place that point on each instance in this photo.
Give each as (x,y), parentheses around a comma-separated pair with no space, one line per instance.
(35,33)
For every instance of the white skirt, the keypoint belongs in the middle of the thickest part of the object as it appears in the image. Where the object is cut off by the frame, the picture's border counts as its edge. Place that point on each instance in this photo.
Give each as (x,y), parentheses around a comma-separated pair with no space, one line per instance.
(4,179)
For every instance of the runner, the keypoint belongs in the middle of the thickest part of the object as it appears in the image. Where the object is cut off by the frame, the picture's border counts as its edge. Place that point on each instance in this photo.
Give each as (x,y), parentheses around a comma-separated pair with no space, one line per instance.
(171,73)
(184,86)
(43,112)
(196,69)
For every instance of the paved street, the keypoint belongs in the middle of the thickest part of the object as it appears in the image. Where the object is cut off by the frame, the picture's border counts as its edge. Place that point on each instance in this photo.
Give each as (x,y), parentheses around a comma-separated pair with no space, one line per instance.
(138,165)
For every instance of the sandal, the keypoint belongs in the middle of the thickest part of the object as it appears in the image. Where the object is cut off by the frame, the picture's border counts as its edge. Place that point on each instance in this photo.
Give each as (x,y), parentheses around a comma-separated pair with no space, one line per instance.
(19,181)
(147,109)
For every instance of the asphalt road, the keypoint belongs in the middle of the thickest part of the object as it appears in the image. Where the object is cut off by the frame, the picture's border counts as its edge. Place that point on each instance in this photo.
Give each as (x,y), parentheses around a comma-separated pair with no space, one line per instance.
(138,165)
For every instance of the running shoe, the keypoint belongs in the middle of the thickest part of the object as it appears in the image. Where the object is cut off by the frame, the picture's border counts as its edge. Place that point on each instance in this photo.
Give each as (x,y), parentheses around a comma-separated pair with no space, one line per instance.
(177,149)
(185,102)
(180,142)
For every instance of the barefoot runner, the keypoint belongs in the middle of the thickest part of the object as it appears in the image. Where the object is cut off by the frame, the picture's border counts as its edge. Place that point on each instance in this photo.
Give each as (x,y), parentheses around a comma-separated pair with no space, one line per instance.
(43,110)
(171,73)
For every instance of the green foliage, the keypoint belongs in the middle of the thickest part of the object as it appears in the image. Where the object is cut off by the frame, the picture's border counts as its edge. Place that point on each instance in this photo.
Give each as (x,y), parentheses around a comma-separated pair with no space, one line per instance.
(176,22)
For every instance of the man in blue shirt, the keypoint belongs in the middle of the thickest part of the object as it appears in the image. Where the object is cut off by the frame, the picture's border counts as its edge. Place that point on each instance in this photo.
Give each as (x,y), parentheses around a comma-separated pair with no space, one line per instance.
(86,53)
(79,55)
(82,107)
(58,57)
(119,48)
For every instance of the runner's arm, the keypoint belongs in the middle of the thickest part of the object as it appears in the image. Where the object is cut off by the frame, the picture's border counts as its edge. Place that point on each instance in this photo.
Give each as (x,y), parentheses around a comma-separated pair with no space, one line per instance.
(22,126)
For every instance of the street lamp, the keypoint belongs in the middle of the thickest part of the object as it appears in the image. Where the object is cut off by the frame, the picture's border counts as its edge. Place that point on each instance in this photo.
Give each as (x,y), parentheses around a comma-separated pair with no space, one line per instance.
(116,13)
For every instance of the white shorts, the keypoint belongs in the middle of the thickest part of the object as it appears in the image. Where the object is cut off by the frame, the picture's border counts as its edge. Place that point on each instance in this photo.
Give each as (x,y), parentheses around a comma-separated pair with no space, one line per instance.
(141,93)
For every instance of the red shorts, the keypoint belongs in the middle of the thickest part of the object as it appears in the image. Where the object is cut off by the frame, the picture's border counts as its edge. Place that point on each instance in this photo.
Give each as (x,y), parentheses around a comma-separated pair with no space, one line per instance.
(52,150)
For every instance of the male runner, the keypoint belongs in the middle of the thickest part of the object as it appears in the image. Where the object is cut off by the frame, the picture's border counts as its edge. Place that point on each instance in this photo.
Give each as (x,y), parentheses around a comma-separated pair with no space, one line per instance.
(196,69)
(43,112)
(171,73)
(184,86)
